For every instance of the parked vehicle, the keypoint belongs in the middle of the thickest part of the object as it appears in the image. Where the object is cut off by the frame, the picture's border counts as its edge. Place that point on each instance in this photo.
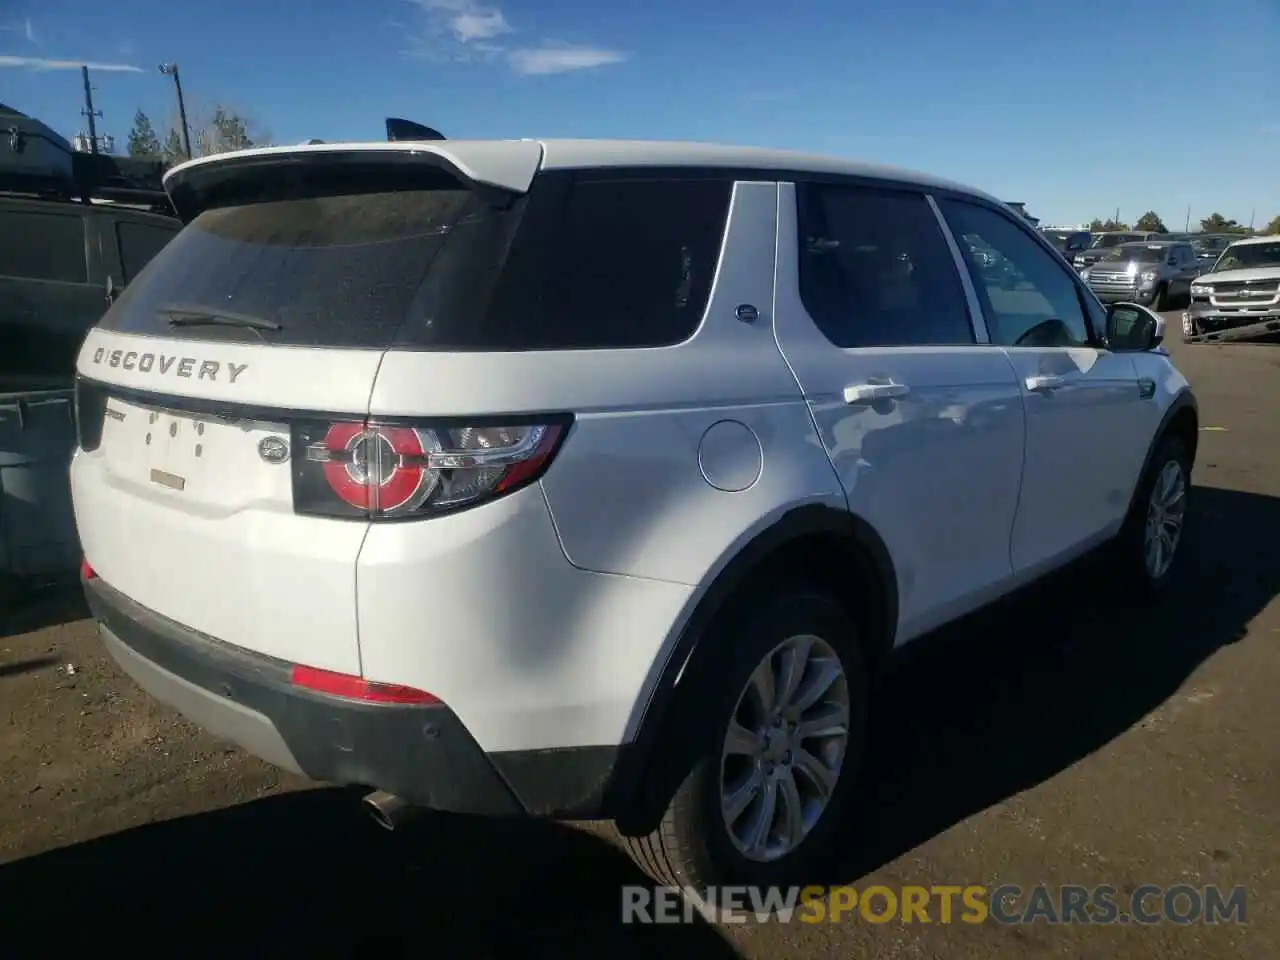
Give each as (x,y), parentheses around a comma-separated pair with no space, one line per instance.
(1103,242)
(1068,242)
(1239,298)
(596,479)
(1152,274)
(65,247)
(1209,247)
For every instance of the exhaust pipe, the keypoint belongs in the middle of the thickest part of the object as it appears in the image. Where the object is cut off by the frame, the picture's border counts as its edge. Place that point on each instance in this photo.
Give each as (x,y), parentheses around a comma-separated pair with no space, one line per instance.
(389,811)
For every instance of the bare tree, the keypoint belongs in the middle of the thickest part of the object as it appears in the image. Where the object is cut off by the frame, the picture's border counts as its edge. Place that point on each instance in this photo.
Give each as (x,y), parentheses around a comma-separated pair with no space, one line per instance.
(216,127)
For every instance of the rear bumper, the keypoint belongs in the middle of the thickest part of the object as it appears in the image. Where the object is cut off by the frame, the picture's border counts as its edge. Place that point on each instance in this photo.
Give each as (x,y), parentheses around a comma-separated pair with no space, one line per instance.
(422,753)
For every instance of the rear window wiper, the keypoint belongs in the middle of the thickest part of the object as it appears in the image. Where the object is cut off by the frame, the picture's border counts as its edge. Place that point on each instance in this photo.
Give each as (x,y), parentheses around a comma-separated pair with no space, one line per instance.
(184,317)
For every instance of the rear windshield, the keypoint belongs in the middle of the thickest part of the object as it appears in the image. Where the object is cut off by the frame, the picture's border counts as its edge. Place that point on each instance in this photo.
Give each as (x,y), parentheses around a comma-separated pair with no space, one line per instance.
(582,265)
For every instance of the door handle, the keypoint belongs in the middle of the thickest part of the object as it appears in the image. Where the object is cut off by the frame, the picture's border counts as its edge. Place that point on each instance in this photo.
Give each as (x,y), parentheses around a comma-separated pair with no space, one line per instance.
(1043,384)
(871,392)
(1146,388)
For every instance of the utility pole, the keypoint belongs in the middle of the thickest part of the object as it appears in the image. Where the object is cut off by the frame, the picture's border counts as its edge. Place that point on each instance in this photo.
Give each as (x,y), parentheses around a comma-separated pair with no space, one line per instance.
(1252,213)
(89,112)
(171,70)
(1187,227)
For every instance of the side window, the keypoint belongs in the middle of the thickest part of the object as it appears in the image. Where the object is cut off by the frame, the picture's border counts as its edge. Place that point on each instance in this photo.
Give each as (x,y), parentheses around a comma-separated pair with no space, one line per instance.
(1029,298)
(139,242)
(43,246)
(632,264)
(876,270)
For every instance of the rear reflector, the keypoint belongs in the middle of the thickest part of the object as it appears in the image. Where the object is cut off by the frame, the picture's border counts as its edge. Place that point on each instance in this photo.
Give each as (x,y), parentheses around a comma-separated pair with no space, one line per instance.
(87,572)
(357,688)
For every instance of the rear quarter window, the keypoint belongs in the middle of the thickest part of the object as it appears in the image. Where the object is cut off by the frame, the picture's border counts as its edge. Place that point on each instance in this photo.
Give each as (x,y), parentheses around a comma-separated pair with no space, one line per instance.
(627,263)
(595,264)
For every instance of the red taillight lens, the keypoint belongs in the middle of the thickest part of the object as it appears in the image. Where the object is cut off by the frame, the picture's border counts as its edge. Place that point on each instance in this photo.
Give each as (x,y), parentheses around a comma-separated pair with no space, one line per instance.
(357,688)
(386,471)
(87,572)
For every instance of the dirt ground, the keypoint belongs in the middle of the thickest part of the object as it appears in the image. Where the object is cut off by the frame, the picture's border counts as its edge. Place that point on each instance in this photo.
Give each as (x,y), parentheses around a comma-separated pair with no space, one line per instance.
(1065,738)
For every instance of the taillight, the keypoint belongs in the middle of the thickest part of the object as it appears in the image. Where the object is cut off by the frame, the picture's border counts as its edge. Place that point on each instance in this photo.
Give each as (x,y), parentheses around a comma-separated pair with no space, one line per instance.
(86,571)
(376,470)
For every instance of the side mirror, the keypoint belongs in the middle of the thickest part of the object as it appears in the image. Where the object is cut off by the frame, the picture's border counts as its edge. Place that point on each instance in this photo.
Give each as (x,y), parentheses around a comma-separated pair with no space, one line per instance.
(1133,328)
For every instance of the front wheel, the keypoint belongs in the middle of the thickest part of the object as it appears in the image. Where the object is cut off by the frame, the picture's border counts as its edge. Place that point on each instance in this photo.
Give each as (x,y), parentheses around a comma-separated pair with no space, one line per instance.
(777,739)
(1189,327)
(1149,542)
(1160,300)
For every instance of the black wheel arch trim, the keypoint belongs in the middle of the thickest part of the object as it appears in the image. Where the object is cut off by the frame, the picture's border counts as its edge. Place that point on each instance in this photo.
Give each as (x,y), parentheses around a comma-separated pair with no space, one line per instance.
(1184,400)
(629,773)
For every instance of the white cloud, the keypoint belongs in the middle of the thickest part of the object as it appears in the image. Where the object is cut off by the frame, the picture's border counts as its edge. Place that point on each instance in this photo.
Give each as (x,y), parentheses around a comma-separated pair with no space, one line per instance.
(41,64)
(470,30)
(465,21)
(561,58)
(482,25)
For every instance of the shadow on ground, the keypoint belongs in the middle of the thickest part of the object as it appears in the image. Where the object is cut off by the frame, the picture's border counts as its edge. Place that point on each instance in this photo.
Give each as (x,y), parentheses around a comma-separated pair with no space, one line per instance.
(310,874)
(969,717)
(1018,693)
(28,607)
(26,666)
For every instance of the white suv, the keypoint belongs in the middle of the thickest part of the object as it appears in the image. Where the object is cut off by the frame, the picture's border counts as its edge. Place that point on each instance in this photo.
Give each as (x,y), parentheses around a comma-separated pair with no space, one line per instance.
(592,479)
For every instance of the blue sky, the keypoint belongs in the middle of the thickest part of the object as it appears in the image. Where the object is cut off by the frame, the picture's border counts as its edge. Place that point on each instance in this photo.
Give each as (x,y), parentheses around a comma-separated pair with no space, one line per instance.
(1074,107)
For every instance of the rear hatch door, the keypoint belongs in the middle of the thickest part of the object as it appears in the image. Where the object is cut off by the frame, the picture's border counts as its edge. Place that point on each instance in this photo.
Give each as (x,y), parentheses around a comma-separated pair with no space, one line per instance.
(271,309)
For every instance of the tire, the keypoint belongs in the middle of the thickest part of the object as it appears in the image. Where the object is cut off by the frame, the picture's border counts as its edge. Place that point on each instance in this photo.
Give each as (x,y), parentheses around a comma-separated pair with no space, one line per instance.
(1138,576)
(693,846)
(1160,301)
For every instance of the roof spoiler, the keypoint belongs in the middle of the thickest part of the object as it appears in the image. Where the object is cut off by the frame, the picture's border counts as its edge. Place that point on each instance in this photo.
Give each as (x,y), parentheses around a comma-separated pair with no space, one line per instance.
(400,129)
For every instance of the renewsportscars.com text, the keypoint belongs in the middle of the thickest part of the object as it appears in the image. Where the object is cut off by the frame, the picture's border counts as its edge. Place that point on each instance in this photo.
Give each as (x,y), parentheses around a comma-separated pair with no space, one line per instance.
(1008,904)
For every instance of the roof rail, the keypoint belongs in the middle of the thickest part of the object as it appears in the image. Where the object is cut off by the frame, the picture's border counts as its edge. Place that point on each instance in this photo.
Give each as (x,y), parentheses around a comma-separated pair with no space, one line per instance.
(400,129)
(36,161)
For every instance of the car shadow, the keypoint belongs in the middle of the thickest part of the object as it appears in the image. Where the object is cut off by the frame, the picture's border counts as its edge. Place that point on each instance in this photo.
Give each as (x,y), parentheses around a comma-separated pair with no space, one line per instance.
(31,607)
(1010,697)
(26,666)
(308,873)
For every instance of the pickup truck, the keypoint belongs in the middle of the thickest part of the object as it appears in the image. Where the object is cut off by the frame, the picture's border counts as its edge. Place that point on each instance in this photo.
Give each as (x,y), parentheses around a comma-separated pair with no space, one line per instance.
(1239,297)
(1103,242)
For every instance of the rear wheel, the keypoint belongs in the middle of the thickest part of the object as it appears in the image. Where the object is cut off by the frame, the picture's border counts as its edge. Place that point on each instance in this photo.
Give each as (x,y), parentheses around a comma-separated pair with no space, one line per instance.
(777,741)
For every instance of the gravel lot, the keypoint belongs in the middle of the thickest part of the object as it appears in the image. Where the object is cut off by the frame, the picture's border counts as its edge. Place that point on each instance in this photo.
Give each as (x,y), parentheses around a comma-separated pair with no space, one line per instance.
(1063,738)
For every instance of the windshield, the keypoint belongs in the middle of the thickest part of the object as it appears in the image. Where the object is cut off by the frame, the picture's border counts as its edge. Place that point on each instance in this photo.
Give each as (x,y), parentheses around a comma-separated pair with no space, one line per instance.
(1242,256)
(1135,253)
(1209,244)
(1112,239)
